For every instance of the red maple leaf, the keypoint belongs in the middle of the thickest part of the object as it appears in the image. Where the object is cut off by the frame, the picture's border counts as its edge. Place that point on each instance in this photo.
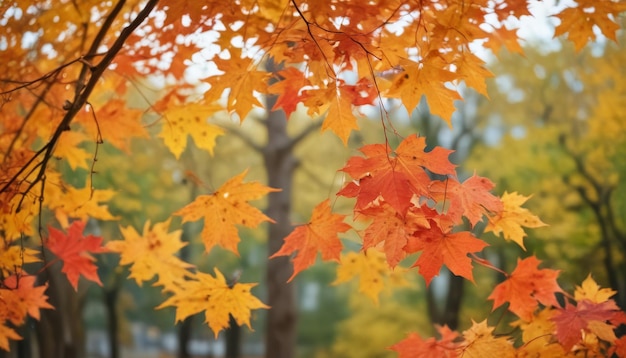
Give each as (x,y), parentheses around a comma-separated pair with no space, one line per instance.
(394,176)
(74,250)
(526,287)
(318,235)
(572,321)
(447,248)
(414,346)
(471,199)
(288,89)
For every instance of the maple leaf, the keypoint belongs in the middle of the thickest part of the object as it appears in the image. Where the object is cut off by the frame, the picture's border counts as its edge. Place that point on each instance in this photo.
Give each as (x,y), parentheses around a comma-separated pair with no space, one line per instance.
(390,231)
(526,287)
(13,257)
(471,199)
(371,268)
(428,78)
(538,336)
(288,90)
(7,333)
(74,250)
(512,217)
(189,119)
(474,73)
(414,346)
(82,204)
(590,290)
(242,80)
(579,21)
(214,297)
(22,297)
(446,248)
(318,235)
(586,316)
(114,123)
(397,176)
(226,208)
(340,117)
(479,342)
(68,149)
(152,253)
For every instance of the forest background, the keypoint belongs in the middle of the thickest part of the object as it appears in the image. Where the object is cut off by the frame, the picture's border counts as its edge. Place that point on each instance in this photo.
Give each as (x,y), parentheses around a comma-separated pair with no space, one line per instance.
(121,129)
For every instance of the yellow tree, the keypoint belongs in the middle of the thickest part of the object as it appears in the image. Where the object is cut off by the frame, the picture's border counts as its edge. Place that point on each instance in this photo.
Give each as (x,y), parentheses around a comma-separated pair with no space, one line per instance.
(567,108)
(69,65)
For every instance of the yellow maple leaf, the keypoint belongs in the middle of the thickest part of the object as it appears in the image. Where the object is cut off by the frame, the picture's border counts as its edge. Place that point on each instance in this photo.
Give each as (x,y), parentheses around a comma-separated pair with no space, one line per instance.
(217,299)
(510,221)
(480,342)
(13,257)
(82,204)
(189,119)
(226,208)
(68,149)
(152,253)
(340,117)
(538,336)
(372,268)
(590,290)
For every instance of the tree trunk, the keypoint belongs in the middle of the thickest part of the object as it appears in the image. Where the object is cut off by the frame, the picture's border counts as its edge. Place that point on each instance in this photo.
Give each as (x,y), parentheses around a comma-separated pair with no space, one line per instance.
(110,302)
(280,164)
(448,313)
(60,332)
(233,339)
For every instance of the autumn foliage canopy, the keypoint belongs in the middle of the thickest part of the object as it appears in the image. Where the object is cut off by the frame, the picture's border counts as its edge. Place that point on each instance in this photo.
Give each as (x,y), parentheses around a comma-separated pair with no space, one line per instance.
(67,67)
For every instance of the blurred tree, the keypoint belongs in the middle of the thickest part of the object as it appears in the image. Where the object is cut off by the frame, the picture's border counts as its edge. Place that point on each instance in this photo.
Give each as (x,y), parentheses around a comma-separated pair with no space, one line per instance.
(562,115)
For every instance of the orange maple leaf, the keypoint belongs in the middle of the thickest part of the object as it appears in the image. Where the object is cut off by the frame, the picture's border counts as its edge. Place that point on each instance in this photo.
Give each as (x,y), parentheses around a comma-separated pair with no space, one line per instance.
(426,78)
(447,248)
(526,287)
(391,230)
(414,346)
(21,297)
(288,90)
(579,22)
(75,250)
(318,235)
(395,176)
(226,208)
(6,333)
(242,78)
(471,199)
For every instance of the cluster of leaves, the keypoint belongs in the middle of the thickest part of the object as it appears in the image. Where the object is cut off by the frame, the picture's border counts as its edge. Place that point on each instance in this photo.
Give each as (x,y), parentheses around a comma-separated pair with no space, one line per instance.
(58,103)
(584,329)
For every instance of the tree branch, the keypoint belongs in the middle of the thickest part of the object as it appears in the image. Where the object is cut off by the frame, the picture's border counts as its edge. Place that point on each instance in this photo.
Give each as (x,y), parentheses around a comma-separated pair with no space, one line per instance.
(80,99)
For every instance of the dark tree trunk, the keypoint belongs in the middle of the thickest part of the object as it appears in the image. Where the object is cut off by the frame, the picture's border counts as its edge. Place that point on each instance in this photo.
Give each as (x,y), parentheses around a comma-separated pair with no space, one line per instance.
(110,302)
(60,332)
(233,339)
(447,313)
(185,328)
(280,164)
(184,336)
